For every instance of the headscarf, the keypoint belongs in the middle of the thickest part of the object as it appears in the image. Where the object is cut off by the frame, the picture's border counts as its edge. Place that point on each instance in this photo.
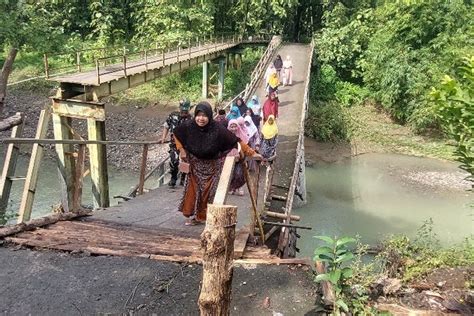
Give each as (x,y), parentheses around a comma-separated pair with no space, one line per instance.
(287,63)
(273,80)
(242,107)
(251,128)
(254,105)
(234,113)
(255,118)
(270,130)
(207,142)
(239,133)
(241,122)
(270,107)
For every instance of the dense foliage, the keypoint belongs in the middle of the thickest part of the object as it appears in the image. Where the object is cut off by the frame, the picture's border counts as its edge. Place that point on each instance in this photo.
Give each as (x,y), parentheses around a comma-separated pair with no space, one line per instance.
(454,105)
(397,50)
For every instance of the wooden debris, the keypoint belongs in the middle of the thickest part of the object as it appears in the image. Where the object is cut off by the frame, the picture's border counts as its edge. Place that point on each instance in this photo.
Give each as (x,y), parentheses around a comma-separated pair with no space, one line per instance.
(217,239)
(329,297)
(43,221)
(282,216)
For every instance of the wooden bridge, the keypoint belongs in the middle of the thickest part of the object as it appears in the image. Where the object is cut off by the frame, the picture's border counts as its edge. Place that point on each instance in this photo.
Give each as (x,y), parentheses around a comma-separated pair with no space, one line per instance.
(149,225)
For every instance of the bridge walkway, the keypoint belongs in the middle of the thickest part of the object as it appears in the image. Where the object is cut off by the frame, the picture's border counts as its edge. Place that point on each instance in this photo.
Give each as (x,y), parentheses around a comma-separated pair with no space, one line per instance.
(150,226)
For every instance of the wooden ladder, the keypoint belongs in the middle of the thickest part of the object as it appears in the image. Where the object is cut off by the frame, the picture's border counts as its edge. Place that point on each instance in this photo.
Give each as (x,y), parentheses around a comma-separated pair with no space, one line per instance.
(31,178)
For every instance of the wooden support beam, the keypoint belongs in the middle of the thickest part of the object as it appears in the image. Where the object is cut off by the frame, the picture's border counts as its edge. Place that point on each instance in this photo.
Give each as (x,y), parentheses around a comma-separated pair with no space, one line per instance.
(217,239)
(29,190)
(205,79)
(98,163)
(9,167)
(224,181)
(281,215)
(78,178)
(66,163)
(79,109)
(240,242)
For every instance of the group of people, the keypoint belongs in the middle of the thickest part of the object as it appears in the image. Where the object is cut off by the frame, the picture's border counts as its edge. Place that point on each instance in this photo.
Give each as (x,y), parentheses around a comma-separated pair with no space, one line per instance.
(199,144)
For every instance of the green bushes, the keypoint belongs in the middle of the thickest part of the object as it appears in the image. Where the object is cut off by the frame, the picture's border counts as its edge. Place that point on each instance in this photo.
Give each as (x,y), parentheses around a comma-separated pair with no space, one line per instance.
(397,50)
(454,105)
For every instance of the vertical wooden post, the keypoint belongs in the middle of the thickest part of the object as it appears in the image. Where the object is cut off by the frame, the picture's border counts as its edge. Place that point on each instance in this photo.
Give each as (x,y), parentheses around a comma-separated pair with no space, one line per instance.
(163,57)
(220,83)
(65,160)
(189,48)
(205,79)
(98,163)
(217,240)
(125,65)
(78,61)
(177,55)
(141,182)
(146,60)
(46,65)
(29,190)
(9,166)
(97,71)
(78,183)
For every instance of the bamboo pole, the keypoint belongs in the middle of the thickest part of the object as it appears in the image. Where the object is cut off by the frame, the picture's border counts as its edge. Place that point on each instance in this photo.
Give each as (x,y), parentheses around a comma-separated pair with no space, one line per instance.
(141,183)
(254,204)
(217,241)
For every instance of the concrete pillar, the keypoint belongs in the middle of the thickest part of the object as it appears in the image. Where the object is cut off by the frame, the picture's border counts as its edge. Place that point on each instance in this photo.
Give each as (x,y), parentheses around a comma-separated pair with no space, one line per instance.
(98,164)
(220,83)
(238,61)
(205,79)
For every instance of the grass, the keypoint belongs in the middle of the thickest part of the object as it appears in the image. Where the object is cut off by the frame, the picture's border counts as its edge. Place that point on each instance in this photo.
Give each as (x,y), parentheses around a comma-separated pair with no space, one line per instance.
(373,131)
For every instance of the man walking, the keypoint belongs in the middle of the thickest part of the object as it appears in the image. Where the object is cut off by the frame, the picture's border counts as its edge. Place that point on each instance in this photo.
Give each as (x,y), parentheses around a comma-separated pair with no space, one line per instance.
(173,121)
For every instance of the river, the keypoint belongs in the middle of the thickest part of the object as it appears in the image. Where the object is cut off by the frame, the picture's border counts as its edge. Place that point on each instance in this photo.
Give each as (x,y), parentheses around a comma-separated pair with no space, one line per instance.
(375,195)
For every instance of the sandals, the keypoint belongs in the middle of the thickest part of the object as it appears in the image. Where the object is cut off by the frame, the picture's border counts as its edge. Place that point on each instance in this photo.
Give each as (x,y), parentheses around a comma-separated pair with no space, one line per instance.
(193,222)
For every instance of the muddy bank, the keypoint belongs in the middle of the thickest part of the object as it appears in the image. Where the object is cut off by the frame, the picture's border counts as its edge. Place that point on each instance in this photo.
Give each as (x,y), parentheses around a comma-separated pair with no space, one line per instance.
(52,283)
(123,123)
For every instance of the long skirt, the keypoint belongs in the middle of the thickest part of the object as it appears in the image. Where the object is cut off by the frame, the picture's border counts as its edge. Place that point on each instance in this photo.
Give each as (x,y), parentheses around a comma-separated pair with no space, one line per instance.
(238,177)
(201,186)
(287,76)
(268,147)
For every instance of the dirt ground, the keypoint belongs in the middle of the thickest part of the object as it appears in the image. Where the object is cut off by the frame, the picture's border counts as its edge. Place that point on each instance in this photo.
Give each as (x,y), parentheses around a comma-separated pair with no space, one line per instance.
(56,283)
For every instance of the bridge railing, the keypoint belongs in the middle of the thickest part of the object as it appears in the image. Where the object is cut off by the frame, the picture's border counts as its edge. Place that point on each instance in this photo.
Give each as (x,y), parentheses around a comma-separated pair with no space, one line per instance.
(56,64)
(284,234)
(160,168)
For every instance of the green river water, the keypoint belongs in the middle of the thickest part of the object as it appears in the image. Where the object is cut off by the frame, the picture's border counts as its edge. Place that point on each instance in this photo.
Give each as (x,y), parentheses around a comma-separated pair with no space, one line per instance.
(375,195)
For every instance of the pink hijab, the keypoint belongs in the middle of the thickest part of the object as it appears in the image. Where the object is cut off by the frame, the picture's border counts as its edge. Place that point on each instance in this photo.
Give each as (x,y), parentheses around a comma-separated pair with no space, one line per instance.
(240,133)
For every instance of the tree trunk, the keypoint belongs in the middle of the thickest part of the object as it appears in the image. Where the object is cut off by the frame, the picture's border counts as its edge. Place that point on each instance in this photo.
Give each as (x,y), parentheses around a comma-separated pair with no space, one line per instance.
(6,70)
(11,121)
(217,240)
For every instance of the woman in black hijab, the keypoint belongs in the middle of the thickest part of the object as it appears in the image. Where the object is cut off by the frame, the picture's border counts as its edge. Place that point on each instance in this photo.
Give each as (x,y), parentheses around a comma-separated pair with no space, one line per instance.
(204,143)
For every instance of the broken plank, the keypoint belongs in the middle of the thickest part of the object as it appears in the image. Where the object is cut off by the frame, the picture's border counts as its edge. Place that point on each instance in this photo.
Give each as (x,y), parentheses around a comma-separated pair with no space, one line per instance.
(240,242)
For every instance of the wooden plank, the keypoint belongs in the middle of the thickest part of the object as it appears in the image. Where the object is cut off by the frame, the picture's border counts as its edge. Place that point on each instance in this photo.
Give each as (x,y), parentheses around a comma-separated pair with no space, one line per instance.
(9,167)
(224,181)
(240,242)
(66,163)
(276,261)
(45,141)
(79,109)
(98,164)
(40,222)
(281,215)
(29,189)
